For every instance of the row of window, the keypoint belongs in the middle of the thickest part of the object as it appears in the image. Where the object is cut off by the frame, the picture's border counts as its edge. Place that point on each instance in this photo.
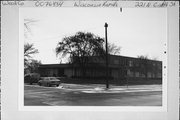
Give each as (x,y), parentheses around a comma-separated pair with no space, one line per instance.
(132,63)
(148,74)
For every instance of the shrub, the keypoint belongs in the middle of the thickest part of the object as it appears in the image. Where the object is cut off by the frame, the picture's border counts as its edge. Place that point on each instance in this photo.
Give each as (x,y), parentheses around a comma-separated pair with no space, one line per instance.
(31,78)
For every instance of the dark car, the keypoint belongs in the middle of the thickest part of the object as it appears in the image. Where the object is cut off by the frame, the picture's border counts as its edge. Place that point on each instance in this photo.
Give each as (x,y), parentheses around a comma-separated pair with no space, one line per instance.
(49,81)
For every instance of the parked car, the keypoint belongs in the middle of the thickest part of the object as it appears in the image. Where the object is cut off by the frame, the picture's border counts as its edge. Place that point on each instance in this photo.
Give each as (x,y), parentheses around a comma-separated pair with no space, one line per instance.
(49,81)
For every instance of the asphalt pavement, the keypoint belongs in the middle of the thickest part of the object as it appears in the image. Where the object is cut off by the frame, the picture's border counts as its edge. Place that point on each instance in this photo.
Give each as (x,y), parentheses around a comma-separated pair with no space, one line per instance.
(93,95)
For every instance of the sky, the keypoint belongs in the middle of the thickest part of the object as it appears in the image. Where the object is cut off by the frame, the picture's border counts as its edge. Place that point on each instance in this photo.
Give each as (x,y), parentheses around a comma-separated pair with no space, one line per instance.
(138,31)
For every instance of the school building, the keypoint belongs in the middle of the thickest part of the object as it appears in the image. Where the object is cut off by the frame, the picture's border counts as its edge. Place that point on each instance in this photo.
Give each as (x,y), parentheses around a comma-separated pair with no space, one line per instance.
(121,69)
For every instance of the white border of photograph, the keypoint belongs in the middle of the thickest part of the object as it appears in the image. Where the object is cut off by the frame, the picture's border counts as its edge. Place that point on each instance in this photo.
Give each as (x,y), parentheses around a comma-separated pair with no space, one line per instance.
(13,85)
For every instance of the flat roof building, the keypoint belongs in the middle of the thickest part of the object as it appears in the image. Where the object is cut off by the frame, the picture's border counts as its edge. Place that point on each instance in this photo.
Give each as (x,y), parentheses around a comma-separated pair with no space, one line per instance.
(121,69)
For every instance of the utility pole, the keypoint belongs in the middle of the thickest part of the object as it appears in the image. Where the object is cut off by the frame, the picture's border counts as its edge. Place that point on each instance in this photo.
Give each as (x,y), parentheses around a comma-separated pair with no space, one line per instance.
(107,71)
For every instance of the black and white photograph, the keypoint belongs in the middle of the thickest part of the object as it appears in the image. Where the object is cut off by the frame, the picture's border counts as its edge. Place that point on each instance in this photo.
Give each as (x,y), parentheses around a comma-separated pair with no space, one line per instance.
(94,56)
(89,60)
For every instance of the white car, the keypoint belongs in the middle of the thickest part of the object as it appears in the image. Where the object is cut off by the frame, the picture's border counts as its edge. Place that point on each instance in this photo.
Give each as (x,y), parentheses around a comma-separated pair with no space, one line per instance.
(49,81)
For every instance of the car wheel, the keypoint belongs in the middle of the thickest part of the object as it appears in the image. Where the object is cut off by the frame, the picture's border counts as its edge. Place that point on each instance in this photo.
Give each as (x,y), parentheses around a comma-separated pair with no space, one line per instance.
(57,85)
(39,84)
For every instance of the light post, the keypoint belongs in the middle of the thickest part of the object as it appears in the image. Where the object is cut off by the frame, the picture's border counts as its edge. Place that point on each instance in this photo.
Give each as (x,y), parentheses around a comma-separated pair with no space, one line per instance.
(107,71)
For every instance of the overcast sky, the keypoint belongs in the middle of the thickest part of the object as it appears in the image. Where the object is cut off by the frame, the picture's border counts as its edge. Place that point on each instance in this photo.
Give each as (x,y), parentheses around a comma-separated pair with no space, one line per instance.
(139,31)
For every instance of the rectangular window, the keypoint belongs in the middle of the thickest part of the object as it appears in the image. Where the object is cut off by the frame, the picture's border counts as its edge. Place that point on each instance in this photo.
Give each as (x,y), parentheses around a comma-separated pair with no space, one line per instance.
(116,62)
(130,73)
(130,63)
(137,74)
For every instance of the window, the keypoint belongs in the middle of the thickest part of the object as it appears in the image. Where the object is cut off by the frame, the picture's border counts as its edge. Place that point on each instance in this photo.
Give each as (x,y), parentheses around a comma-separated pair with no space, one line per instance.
(130,63)
(149,75)
(116,62)
(159,66)
(137,74)
(130,73)
(137,64)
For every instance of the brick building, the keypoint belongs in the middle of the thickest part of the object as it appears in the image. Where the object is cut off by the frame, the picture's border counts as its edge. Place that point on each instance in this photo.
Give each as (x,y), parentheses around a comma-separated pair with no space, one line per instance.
(120,68)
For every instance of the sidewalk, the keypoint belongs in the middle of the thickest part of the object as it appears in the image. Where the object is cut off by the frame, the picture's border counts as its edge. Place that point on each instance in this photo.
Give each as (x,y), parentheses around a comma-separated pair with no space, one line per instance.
(100,88)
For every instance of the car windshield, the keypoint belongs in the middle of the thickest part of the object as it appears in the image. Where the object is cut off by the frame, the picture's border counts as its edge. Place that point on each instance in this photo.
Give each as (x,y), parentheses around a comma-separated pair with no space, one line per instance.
(53,78)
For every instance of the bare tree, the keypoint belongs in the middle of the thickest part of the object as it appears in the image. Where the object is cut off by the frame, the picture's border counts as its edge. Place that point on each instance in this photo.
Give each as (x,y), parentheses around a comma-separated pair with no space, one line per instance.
(29,51)
(114,49)
(145,66)
(29,63)
(27,26)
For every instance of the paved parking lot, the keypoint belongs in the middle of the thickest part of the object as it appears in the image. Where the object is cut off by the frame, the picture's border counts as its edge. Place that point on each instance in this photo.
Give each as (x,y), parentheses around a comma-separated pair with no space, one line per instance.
(93,95)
